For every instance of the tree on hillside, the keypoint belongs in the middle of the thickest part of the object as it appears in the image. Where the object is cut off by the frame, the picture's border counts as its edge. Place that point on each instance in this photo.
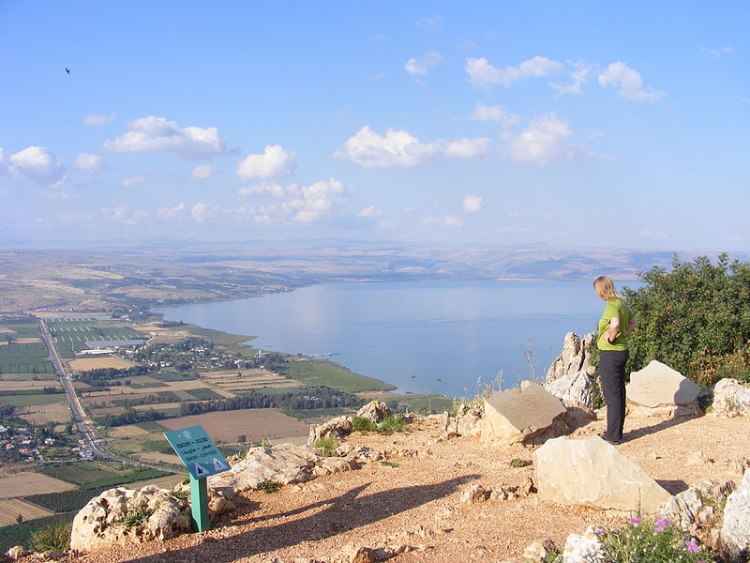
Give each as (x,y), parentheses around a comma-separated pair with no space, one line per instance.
(695,318)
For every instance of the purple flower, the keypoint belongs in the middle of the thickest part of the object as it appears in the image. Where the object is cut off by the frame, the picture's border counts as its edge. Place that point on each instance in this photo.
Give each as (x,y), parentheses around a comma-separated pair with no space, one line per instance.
(661,524)
(691,546)
(635,521)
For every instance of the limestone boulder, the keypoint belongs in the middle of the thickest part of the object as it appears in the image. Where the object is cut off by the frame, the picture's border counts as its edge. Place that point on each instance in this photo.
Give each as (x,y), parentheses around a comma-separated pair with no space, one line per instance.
(518,415)
(570,377)
(338,428)
(375,411)
(124,515)
(584,548)
(466,422)
(284,463)
(696,510)
(591,472)
(658,385)
(735,530)
(731,398)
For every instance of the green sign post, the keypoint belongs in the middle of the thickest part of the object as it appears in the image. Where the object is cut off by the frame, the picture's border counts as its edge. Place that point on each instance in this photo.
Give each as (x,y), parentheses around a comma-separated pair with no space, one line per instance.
(202,458)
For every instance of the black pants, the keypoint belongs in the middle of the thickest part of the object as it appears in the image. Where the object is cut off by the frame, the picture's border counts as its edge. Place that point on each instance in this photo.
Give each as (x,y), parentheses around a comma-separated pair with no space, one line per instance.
(612,370)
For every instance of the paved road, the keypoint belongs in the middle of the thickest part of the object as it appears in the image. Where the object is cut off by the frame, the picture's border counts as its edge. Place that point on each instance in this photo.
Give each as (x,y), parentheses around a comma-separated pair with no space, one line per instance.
(85,425)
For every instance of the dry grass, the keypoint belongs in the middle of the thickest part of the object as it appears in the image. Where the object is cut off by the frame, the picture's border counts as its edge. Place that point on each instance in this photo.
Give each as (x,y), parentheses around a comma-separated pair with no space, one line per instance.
(52,412)
(88,364)
(10,509)
(20,385)
(255,424)
(156,457)
(25,484)
(130,431)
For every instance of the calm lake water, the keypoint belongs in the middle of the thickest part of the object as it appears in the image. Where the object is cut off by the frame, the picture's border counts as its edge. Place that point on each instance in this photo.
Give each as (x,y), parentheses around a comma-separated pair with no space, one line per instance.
(420,336)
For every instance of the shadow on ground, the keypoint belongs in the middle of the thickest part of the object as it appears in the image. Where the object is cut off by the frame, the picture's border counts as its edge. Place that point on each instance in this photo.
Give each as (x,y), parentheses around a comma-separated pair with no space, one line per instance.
(348,511)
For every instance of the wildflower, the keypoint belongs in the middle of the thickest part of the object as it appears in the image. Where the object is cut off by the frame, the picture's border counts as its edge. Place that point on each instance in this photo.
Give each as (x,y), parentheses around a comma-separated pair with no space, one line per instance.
(635,521)
(691,546)
(661,524)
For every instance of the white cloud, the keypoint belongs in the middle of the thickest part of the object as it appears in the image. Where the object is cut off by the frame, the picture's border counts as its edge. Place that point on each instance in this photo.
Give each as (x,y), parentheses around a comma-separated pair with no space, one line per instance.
(274,162)
(579,76)
(401,149)
(275,190)
(482,73)
(200,212)
(369,212)
(473,203)
(544,141)
(133,181)
(653,235)
(430,22)
(36,164)
(451,221)
(203,172)
(496,114)
(298,204)
(124,214)
(628,83)
(157,134)
(100,119)
(170,213)
(424,64)
(88,161)
(719,52)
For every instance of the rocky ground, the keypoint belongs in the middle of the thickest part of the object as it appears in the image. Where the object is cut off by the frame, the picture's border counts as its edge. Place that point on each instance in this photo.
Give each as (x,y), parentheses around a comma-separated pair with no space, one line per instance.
(415,502)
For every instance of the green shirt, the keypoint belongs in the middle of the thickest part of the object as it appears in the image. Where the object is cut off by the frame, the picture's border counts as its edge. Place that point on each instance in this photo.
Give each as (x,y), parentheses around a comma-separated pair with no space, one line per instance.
(614,308)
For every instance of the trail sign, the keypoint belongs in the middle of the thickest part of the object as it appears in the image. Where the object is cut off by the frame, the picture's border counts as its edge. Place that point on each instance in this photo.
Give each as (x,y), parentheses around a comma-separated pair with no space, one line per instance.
(202,458)
(197,451)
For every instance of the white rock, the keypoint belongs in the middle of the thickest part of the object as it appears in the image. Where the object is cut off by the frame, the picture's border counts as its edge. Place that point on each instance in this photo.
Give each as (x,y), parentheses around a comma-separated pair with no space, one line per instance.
(659,385)
(570,377)
(584,548)
(731,398)
(591,472)
(516,415)
(735,531)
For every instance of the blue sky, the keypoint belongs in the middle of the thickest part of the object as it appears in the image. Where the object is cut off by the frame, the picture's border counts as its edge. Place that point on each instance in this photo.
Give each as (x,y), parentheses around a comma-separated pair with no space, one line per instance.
(567,123)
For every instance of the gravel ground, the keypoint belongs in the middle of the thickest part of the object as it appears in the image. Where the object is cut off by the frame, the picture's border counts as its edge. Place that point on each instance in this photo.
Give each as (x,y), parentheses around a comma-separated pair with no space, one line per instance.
(412,502)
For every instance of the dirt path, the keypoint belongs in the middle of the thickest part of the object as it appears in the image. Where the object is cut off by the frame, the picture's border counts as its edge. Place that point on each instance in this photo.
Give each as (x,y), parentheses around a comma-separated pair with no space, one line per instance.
(415,499)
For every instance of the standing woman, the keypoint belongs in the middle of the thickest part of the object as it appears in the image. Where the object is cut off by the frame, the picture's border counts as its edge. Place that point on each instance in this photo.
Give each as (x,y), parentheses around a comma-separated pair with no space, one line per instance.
(616,322)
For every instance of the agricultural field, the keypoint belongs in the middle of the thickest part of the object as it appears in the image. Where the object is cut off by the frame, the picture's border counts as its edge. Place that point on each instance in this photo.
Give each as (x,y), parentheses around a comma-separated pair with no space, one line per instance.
(103,362)
(25,484)
(21,349)
(58,412)
(10,509)
(75,334)
(254,424)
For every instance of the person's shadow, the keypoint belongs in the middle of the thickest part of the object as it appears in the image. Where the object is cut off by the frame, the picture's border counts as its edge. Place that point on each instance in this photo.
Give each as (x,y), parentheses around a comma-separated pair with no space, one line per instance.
(351,510)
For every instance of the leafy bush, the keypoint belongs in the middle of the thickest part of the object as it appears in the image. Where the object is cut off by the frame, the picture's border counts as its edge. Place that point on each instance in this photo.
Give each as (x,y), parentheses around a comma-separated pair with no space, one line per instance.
(391,424)
(268,486)
(137,518)
(653,541)
(363,424)
(694,318)
(51,538)
(326,447)
(518,462)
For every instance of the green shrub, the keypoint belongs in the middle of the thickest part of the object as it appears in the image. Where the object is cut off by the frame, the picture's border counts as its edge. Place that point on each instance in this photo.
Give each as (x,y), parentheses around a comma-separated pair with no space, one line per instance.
(363,424)
(389,464)
(268,487)
(518,462)
(326,447)
(391,424)
(137,518)
(51,538)
(653,541)
(694,318)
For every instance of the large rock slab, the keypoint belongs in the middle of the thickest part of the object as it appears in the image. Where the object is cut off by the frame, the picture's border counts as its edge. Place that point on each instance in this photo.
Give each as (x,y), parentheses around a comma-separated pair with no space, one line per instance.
(124,515)
(519,414)
(591,472)
(731,398)
(659,385)
(735,531)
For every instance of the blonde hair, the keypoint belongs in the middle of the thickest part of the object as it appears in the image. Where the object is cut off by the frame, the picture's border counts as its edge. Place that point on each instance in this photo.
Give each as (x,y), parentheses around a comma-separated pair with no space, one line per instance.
(605,288)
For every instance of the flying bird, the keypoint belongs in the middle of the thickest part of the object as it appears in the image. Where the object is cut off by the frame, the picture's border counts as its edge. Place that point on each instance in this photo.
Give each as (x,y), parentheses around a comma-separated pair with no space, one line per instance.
(67,70)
